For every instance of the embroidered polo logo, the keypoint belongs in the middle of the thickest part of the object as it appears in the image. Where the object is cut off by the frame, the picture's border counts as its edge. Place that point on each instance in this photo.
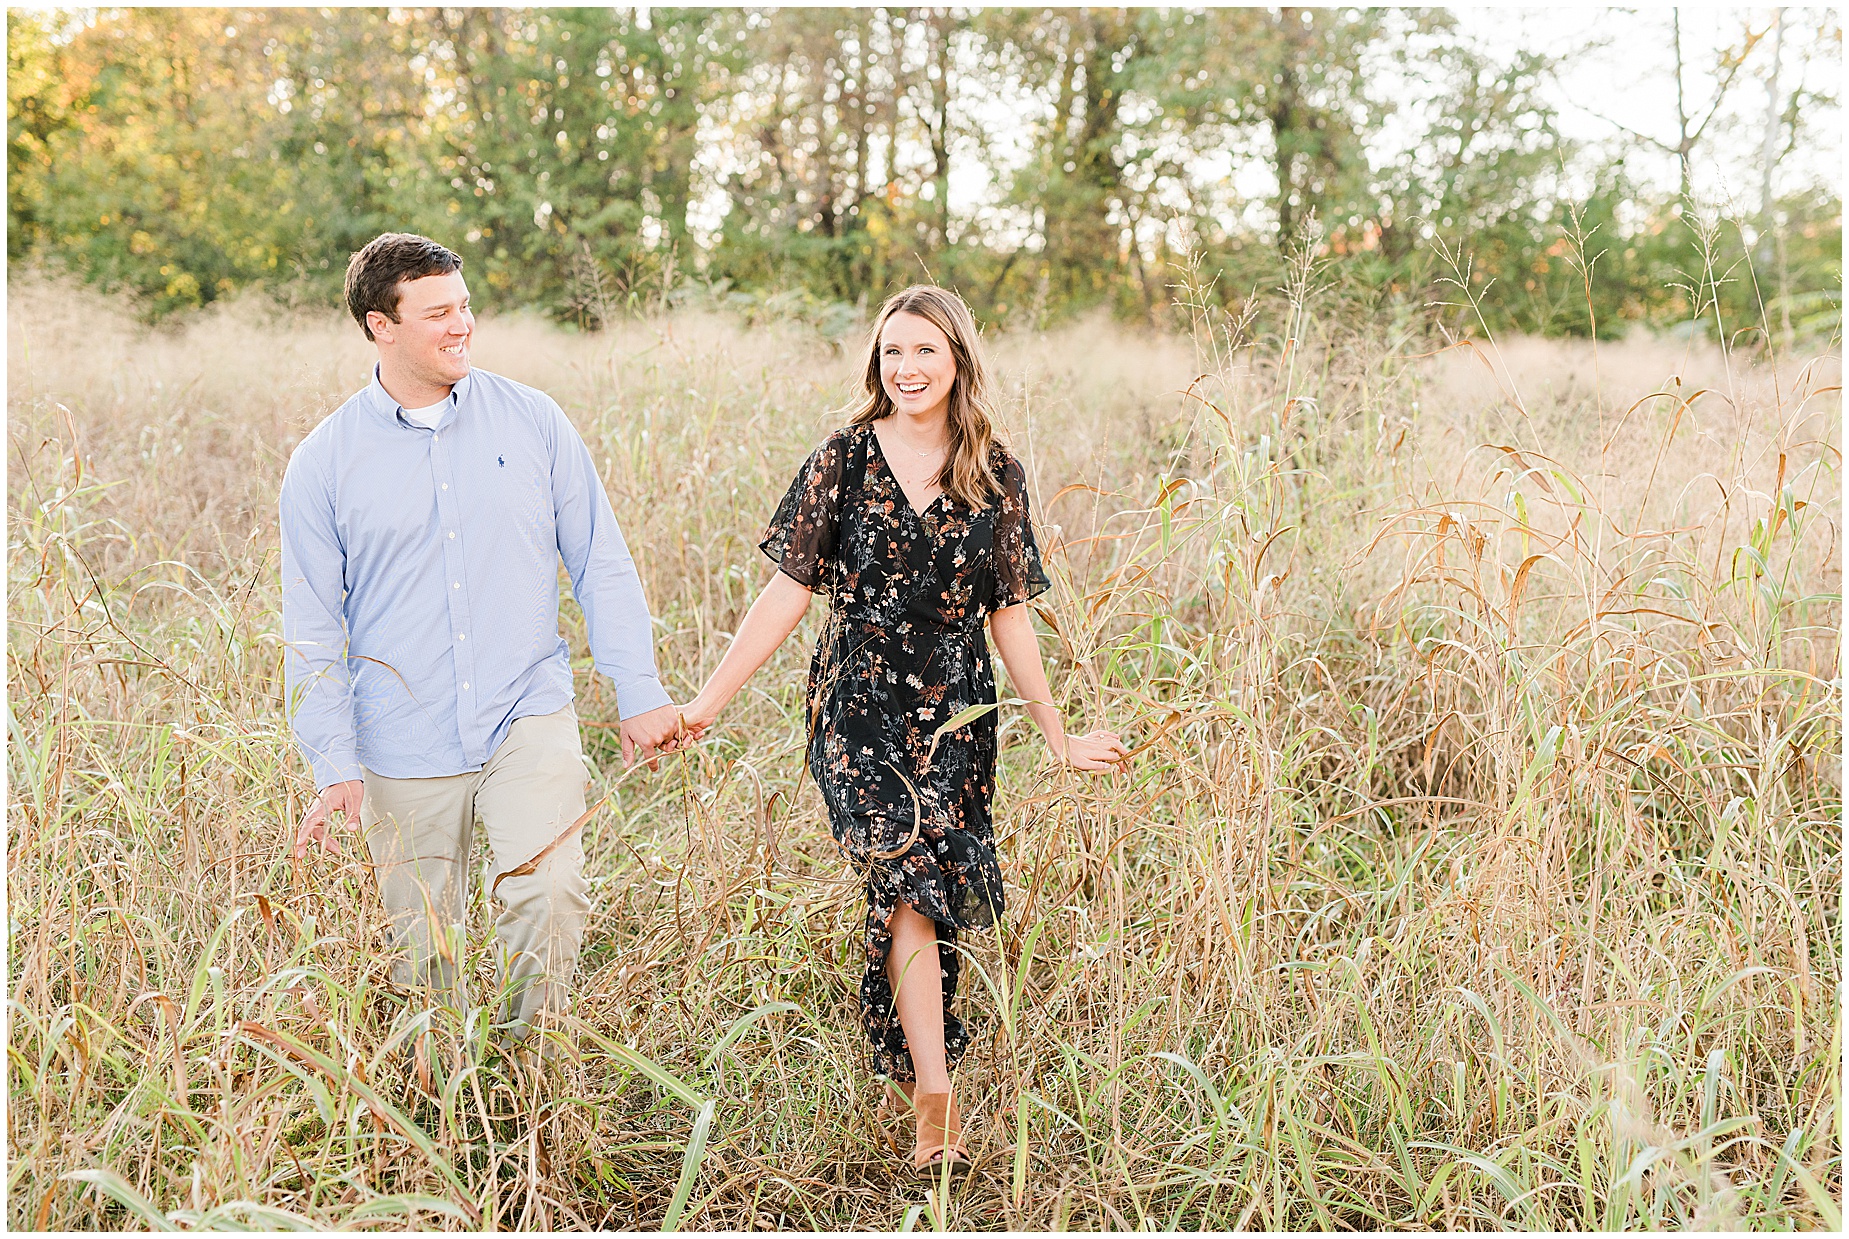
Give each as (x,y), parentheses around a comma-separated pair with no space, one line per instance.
(503,461)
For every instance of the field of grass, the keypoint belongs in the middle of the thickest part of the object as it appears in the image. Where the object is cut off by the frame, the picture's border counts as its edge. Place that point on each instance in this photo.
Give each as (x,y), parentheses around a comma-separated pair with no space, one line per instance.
(1479,867)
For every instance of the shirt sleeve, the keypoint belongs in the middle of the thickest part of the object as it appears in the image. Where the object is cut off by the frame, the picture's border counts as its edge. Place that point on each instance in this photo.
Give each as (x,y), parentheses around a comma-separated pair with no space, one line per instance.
(802,532)
(318,694)
(603,576)
(1018,574)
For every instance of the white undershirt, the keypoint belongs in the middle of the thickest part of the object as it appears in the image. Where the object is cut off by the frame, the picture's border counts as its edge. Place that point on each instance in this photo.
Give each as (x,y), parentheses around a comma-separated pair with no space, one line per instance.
(428,416)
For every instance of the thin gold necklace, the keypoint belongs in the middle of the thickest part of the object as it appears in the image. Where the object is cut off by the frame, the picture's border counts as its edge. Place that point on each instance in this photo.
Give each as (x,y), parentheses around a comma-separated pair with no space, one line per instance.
(930,451)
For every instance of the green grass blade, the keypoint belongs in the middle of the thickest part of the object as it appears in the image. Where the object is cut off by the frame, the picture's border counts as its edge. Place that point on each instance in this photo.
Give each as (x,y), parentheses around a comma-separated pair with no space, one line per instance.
(691,1159)
(118,1189)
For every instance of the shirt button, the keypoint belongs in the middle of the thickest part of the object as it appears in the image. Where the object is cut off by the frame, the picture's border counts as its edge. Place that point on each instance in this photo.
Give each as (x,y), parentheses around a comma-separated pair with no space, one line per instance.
(436,438)
(452,533)
(446,486)
(462,636)
(465,683)
(455,584)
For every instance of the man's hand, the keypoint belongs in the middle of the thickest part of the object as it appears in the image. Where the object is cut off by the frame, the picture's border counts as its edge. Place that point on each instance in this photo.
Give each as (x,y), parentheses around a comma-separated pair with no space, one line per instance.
(341,798)
(649,734)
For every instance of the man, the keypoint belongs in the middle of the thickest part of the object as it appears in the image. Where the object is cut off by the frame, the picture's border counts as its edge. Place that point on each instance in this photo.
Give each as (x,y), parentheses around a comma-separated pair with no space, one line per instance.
(422,528)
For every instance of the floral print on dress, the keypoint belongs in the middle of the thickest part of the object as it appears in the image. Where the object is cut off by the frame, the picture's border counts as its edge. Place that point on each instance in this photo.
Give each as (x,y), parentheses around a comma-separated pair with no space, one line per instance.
(902,653)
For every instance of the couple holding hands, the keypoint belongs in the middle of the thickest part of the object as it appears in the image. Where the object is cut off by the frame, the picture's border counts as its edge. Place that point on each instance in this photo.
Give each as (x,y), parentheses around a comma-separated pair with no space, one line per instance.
(422,525)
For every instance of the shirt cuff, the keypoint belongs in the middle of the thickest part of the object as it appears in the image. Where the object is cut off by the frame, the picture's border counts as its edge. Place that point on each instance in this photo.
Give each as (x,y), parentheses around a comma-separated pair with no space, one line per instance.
(639,696)
(331,770)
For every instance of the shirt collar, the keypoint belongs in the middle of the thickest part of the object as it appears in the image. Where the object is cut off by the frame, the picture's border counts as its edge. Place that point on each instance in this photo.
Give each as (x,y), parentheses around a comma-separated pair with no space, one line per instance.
(382,403)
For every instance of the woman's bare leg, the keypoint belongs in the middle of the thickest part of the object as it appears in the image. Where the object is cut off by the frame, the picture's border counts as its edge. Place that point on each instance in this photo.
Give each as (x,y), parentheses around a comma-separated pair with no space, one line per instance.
(918,993)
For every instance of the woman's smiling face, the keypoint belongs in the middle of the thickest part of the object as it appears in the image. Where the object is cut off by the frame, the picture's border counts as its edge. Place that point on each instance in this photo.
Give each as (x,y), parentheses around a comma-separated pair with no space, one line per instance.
(916,366)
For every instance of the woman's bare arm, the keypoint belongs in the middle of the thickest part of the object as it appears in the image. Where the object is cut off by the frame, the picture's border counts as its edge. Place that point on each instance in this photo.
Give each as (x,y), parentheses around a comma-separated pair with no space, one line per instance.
(1013,630)
(773,616)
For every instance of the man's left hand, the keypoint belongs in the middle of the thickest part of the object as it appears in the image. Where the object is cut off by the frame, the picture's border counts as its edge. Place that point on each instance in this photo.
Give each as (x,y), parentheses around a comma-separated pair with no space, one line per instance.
(648,734)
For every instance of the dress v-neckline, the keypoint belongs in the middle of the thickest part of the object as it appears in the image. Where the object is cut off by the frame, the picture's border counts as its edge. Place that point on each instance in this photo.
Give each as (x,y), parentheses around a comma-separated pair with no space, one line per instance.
(886,464)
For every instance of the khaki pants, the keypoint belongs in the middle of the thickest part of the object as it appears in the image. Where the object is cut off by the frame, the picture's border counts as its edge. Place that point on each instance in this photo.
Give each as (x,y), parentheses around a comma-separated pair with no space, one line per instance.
(420,832)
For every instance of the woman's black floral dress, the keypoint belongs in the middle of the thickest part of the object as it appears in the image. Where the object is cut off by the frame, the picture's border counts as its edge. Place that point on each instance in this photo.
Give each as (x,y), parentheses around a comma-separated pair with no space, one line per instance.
(903,652)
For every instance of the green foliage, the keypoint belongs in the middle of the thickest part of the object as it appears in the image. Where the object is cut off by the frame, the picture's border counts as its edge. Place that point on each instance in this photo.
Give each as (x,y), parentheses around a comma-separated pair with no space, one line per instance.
(182,154)
(568,149)
(583,160)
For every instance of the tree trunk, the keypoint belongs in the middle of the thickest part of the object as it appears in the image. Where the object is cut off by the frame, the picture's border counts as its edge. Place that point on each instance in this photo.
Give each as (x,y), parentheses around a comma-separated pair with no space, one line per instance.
(1284,115)
(938,27)
(1684,142)
(1769,155)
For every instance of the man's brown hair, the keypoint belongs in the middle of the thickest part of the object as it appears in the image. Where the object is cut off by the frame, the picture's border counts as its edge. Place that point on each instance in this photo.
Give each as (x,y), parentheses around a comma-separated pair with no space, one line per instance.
(375,272)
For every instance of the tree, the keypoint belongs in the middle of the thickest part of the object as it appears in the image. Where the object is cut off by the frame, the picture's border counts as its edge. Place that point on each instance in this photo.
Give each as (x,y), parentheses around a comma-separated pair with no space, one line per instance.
(1078,63)
(38,112)
(568,136)
(575,156)
(1729,60)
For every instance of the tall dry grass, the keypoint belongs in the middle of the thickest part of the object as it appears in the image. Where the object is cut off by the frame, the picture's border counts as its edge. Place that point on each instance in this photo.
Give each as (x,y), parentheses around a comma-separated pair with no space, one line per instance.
(1479,867)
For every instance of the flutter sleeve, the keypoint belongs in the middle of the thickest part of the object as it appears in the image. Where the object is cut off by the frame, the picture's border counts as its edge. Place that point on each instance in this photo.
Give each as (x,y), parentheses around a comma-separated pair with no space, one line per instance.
(802,533)
(1018,574)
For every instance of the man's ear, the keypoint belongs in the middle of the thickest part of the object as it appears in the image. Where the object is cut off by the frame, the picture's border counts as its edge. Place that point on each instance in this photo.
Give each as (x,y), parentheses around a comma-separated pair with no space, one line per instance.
(381,326)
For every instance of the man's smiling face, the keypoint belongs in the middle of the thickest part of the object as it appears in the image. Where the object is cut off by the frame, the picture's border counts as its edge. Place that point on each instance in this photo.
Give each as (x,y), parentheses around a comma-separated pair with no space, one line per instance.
(430,341)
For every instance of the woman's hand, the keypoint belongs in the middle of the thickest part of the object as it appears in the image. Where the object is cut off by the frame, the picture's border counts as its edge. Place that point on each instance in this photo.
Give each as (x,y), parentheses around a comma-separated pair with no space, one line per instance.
(779,606)
(696,718)
(1095,750)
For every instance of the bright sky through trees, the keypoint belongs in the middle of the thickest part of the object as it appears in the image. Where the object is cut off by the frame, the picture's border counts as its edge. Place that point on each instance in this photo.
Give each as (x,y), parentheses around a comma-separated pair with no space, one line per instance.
(1042,159)
(1615,80)
(1617,72)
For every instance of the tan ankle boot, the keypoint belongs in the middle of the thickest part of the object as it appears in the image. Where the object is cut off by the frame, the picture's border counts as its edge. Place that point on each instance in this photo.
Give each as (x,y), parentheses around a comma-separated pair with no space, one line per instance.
(940,1136)
(893,1112)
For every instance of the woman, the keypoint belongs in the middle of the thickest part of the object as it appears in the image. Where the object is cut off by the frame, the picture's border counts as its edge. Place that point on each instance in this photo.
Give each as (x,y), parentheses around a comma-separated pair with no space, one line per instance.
(913,521)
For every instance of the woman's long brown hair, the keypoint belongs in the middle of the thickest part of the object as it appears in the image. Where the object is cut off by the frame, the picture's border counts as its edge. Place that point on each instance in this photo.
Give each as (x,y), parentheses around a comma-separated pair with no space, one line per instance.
(967,475)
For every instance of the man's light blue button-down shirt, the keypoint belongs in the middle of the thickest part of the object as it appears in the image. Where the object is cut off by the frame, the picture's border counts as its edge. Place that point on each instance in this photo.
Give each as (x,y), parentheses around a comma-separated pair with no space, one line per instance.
(420,581)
